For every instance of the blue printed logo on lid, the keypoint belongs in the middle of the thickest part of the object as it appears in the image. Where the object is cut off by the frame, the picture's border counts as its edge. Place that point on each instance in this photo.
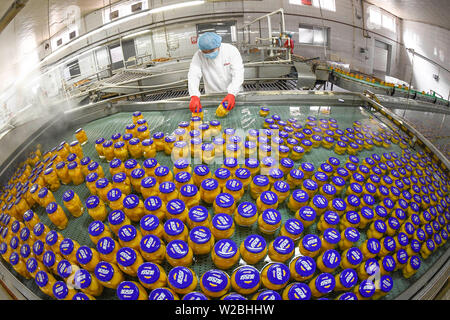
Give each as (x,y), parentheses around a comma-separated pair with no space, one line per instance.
(210,184)
(271,216)
(307,213)
(348,277)
(64,268)
(388,263)
(60,290)
(127,290)
(222,173)
(354,256)
(311,242)
(149,222)
(294,226)
(150,243)
(224,200)
(325,283)
(331,235)
(41,278)
(126,256)
(106,245)
(353,200)
(66,247)
(92,202)
(331,217)
(331,258)
(174,227)
(84,255)
(82,279)
(283,245)
(366,288)
(96,228)
(278,273)
(247,209)
(116,217)
(200,234)
(180,277)
(255,243)
(373,245)
(233,185)
(247,277)
(177,249)
(226,248)
(201,170)
(339,204)
(127,233)
(215,280)
(389,243)
(299,291)
(402,256)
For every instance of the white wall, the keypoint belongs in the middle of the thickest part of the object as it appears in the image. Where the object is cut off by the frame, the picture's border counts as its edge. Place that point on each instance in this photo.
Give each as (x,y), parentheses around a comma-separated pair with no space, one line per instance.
(433,43)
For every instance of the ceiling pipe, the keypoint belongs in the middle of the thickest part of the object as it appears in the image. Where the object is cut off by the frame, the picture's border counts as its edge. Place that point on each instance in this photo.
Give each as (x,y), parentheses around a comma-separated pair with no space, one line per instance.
(11,13)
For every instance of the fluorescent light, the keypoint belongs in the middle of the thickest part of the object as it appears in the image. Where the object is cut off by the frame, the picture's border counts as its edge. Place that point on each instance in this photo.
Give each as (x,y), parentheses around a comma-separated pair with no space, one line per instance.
(177,6)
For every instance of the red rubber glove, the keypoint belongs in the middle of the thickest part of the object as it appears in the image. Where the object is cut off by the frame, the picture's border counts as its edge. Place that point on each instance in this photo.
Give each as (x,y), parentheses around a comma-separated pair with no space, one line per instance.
(195,105)
(229,102)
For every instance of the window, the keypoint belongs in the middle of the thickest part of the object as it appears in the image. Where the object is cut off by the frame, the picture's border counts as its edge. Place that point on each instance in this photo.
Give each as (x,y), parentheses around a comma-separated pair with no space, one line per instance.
(378,19)
(72,70)
(226,29)
(329,5)
(313,35)
(123,9)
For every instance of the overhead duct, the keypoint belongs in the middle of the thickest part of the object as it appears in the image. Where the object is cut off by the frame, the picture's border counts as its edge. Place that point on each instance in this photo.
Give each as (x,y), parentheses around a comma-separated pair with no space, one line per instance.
(11,13)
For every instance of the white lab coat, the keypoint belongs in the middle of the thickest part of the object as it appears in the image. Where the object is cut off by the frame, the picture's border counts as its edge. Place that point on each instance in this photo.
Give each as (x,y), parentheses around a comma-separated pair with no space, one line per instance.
(225,73)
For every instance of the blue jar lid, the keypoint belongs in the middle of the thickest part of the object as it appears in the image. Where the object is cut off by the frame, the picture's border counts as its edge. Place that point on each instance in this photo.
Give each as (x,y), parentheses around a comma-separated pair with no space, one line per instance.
(255,243)
(222,221)
(367,213)
(180,277)
(269,197)
(162,171)
(127,290)
(331,259)
(84,255)
(64,268)
(106,245)
(215,280)
(222,173)
(149,222)
(116,217)
(373,245)
(119,177)
(300,196)
(161,294)
(389,243)
(307,213)
(310,184)
(194,296)
(271,216)
(325,283)
(148,182)
(82,279)
(278,273)
(352,234)
(366,288)
(126,256)
(251,162)
(150,163)
(43,192)
(339,204)
(224,200)
(354,256)
(175,207)
(352,217)
(233,185)
(242,173)
(198,214)
(283,245)
(181,164)
(51,237)
(353,200)
(402,256)
(294,227)
(60,290)
(320,201)
(299,291)
(138,173)
(92,202)
(66,247)
(210,184)
(200,235)
(311,242)
(174,227)
(167,187)
(247,277)
(41,278)
(177,249)
(305,266)
(388,263)
(331,235)
(201,170)
(338,181)
(153,203)
(348,277)
(96,228)
(247,209)
(131,201)
(150,243)
(331,217)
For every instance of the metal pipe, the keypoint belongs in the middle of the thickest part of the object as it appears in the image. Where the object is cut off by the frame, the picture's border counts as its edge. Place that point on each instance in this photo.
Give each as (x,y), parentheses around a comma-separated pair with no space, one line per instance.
(11,13)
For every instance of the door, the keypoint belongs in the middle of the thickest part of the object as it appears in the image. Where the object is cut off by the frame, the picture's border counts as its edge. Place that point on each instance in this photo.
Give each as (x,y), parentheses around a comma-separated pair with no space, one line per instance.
(381,59)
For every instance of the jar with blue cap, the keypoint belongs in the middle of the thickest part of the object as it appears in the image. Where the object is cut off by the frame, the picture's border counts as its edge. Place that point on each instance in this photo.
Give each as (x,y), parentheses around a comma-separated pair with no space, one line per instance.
(133,207)
(252,164)
(235,187)
(224,203)
(243,175)
(62,292)
(163,174)
(129,260)
(182,165)
(115,198)
(377,229)
(182,280)
(68,249)
(129,236)
(253,249)
(201,240)
(259,184)
(152,276)
(297,291)
(94,166)
(162,294)
(225,254)
(87,258)
(150,224)
(310,245)
(292,228)
(402,240)
(201,172)
(345,280)
(215,283)
(337,205)
(45,197)
(267,200)
(328,191)
(178,253)
(98,230)
(364,290)
(152,249)
(131,290)
(231,163)
(383,286)
(73,203)
(427,248)
(222,175)
(281,249)
(269,221)
(307,215)
(349,237)
(32,264)
(322,284)
(103,186)
(175,229)
(87,283)
(265,295)
(368,268)
(351,258)
(182,178)
(209,190)
(108,274)
(96,208)
(45,282)
(297,199)
(350,219)
(56,215)
(245,280)
(53,240)
(136,178)
(149,187)
(107,249)
(275,276)
(400,258)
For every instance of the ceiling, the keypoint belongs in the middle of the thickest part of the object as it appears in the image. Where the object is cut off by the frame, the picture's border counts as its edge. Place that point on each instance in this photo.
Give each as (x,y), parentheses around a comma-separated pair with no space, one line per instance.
(434,12)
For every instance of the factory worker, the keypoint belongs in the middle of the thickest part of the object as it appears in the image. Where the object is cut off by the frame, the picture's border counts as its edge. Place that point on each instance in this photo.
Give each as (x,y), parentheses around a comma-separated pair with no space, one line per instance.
(220,65)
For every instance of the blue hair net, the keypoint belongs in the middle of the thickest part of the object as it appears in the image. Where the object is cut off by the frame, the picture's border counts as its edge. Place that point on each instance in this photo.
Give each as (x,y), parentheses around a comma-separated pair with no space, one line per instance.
(209,41)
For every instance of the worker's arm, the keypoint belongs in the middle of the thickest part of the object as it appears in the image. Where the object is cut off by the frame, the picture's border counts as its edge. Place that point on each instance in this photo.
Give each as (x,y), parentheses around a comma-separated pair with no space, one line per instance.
(237,78)
(194,76)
